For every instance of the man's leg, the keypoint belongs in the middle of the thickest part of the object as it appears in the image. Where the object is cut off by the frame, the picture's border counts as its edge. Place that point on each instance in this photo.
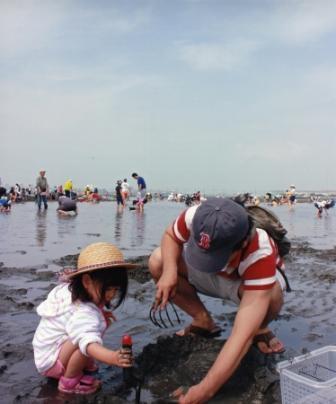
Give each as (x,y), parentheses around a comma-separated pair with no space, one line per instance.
(274,344)
(186,296)
(39,201)
(45,201)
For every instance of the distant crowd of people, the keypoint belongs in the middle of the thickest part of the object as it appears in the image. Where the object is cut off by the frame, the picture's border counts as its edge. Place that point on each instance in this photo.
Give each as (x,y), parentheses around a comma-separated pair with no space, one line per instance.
(67,197)
(286,198)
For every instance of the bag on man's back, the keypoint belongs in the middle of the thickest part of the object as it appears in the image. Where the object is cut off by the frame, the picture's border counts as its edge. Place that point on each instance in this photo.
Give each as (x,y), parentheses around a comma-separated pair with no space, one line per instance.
(266,220)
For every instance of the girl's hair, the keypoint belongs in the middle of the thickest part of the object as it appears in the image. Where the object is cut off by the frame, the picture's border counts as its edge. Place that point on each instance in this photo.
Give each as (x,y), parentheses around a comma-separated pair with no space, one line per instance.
(104,278)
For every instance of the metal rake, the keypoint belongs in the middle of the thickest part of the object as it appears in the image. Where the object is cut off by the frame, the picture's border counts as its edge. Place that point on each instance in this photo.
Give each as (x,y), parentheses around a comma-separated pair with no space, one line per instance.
(159,321)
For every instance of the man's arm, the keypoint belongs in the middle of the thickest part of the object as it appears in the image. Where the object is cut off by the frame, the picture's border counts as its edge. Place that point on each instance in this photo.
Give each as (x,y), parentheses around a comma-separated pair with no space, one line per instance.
(250,315)
(171,252)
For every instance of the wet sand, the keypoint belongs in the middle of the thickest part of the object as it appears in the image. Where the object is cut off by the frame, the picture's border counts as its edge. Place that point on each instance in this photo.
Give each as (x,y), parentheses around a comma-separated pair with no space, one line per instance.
(163,360)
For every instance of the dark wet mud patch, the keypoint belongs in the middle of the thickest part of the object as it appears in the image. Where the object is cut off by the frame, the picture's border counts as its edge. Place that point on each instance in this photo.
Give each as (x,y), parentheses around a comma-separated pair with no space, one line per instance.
(174,361)
(305,249)
(68,261)
(169,363)
(14,300)
(140,274)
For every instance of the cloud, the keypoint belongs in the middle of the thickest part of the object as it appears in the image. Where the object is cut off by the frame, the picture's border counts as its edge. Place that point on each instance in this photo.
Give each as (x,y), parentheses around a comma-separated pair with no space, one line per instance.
(33,24)
(299,21)
(25,26)
(114,21)
(272,152)
(289,22)
(322,77)
(217,56)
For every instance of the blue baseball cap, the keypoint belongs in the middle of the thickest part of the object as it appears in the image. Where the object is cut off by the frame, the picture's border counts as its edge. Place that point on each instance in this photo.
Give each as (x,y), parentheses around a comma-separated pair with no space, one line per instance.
(218,226)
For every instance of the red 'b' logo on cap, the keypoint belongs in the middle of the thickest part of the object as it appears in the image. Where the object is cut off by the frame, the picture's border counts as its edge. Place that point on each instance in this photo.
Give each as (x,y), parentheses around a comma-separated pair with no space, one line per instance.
(204,241)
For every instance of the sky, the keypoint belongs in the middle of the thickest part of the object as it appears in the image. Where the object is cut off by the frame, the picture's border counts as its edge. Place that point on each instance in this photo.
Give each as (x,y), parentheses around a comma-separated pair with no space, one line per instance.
(218,96)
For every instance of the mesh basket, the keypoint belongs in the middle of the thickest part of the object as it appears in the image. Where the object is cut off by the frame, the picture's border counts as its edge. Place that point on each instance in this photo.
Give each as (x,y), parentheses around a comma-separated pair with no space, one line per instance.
(309,378)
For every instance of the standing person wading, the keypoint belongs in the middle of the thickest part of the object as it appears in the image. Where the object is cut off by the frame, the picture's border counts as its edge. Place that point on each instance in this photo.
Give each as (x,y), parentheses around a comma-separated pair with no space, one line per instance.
(125,190)
(214,249)
(42,189)
(141,185)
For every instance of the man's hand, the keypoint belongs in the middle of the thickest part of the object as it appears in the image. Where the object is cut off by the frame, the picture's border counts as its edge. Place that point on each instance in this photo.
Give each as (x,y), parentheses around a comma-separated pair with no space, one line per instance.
(165,289)
(195,395)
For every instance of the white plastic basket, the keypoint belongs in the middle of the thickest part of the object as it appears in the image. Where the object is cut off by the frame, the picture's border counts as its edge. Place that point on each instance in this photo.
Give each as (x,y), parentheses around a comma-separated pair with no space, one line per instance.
(309,378)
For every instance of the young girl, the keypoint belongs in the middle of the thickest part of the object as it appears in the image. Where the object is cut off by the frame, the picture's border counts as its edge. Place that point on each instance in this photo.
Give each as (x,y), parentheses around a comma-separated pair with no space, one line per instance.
(73,320)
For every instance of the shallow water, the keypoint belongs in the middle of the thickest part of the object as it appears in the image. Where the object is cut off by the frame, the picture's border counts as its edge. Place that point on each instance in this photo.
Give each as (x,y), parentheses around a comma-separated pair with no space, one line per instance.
(29,237)
(31,241)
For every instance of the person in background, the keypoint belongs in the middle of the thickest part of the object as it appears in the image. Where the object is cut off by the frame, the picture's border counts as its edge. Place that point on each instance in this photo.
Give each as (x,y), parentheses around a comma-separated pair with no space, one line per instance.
(42,190)
(66,206)
(94,196)
(119,197)
(125,190)
(291,195)
(67,187)
(75,316)
(18,190)
(88,191)
(323,205)
(12,194)
(3,191)
(5,202)
(141,185)
(59,191)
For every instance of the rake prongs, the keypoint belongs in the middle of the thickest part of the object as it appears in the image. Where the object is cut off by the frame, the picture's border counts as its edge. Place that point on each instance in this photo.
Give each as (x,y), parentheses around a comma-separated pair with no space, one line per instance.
(153,318)
(161,322)
(175,311)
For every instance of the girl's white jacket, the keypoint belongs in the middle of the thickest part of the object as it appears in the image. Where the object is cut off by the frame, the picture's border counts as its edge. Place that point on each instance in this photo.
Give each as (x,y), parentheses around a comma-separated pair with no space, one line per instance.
(81,323)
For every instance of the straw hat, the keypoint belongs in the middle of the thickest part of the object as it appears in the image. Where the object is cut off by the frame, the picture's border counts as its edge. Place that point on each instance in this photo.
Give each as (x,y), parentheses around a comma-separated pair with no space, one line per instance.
(98,256)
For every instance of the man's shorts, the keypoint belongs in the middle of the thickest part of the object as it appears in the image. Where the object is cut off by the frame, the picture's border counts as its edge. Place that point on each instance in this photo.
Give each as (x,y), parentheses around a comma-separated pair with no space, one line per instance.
(143,192)
(215,285)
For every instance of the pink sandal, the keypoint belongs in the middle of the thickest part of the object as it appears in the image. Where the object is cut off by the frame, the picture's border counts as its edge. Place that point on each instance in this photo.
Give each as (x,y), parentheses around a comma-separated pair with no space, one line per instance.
(81,384)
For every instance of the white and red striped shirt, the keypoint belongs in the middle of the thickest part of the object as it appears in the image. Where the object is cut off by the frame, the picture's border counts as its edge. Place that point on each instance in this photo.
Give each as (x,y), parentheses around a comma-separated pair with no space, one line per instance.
(255,264)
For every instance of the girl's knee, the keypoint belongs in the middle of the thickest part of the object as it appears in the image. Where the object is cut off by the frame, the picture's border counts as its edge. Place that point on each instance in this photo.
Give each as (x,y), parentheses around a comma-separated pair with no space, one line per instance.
(155,263)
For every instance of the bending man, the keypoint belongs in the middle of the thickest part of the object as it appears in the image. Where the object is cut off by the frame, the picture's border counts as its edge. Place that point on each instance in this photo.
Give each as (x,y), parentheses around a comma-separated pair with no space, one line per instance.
(214,249)
(66,206)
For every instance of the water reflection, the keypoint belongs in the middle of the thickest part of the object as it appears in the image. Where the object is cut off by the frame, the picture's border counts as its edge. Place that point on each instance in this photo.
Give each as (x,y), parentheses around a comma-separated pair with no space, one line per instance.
(328,223)
(41,227)
(138,229)
(66,225)
(291,221)
(118,225)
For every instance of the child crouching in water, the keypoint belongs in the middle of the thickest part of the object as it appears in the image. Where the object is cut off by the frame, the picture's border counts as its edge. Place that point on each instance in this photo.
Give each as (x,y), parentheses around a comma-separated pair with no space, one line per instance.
(73,320)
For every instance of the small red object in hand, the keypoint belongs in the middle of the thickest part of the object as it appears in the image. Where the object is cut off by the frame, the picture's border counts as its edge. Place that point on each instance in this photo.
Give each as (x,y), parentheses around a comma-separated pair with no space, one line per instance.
(126,340)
